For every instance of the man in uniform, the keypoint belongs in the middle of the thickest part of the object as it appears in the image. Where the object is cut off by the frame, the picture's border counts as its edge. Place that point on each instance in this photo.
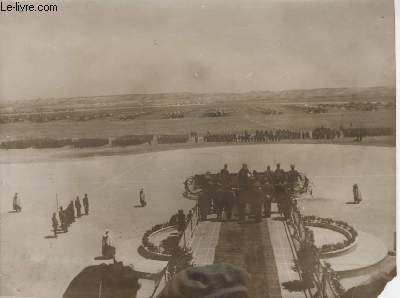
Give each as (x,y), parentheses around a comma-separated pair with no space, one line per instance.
(85,202)
(142,198)
(71,211)
(269,174)
(78,206)
(16,203)
(243,179)
(257,199)
(107,247)
(224,174)
(61,215)
(54,223)
(279,186)
(243,176)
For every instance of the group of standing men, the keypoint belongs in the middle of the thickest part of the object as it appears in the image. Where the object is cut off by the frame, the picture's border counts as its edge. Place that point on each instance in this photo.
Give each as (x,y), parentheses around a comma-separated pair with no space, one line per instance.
(67,215)
(255,190)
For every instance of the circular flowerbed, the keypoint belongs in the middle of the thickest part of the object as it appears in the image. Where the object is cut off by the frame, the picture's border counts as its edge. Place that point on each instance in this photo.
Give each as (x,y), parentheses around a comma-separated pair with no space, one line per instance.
(163,250)
(331,249)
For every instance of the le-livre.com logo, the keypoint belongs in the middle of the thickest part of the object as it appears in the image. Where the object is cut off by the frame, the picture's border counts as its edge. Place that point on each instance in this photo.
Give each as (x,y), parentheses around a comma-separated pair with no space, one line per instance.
(24,7)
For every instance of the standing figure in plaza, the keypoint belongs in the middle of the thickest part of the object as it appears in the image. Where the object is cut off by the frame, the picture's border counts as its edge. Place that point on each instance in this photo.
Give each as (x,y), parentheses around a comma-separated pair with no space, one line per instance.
(71,212)
(107,246)
(17,203)
(78,206)
(85,202)
(61,216)
(356,194)
(54,223)
(142,198)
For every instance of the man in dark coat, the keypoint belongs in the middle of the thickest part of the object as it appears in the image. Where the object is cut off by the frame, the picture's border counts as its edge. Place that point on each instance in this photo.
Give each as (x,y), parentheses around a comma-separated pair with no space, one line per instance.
(269,175)
(61,215)
(292,177)
(243,177)
(257,198)
(71,211)
(224,175)
(54,223)
(85,202)
(78,206)
(279,186)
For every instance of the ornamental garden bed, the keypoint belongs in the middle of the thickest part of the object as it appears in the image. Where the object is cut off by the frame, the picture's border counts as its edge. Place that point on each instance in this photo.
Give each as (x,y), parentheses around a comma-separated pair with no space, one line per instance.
(332,249)
(154,249)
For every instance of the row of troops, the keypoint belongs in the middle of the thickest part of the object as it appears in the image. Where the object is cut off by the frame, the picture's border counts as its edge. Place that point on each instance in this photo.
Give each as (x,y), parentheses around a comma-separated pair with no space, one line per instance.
(259,136)
(67,215)
(254,191)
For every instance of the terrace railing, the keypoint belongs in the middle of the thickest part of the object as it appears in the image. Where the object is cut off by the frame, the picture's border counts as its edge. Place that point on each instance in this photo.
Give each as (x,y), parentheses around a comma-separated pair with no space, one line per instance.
(184,242)
(325,280)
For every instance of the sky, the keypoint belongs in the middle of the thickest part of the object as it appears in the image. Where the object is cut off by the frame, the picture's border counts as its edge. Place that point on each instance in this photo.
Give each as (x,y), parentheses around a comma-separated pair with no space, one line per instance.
(153,46)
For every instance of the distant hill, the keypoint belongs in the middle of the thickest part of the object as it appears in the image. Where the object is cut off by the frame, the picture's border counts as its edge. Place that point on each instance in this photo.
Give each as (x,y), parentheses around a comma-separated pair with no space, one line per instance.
(187,98)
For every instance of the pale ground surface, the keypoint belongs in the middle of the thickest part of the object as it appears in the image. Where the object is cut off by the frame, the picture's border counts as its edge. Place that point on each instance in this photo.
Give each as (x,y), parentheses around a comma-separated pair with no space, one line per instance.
(326,236)
(34,266)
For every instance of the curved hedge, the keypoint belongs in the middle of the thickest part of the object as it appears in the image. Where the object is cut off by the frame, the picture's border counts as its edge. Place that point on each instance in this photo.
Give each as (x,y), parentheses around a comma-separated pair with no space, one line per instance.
(148,249)
(337,225)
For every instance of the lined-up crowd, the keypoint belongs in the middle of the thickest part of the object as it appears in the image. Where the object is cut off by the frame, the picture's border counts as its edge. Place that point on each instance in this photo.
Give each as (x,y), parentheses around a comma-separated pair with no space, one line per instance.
(273,135)
(249,191)
(66,216)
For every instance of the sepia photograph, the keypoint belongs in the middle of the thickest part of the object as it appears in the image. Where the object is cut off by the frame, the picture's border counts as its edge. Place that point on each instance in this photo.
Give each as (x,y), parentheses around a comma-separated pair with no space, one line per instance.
(197,149)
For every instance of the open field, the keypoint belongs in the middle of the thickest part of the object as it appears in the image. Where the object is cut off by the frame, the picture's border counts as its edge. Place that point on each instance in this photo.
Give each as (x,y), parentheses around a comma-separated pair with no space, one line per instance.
(113,182)
(112,116)
(108,128)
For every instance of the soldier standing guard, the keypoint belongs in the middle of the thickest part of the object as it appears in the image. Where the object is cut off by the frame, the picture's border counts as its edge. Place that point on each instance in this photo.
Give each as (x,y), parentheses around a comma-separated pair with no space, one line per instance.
(107,246)
(16,203)
(85,202)
(54,223)
(71,212)
(243,178)
(142,198)
(78,206)
(257,199)
(356,194)
(279,186)
(224,174)
(61,215)
(269,174)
